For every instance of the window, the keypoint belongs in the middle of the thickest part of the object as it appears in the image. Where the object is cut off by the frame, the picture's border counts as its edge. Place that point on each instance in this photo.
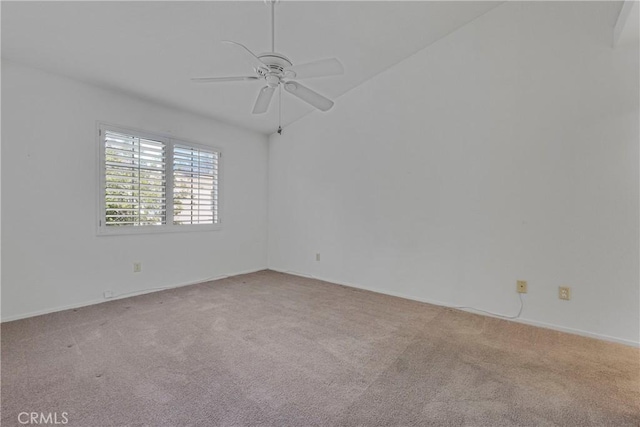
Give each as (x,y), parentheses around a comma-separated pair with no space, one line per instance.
(195,185)
(152,183)
(135,184)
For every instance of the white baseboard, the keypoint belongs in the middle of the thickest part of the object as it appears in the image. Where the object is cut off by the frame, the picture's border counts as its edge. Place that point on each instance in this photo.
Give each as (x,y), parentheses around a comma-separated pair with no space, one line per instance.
(339,282)
(444,304)
(121,296)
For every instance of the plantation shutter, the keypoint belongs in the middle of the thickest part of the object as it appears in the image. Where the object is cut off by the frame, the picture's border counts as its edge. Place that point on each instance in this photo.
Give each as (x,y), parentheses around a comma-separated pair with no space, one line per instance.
(135,185)
(195,185)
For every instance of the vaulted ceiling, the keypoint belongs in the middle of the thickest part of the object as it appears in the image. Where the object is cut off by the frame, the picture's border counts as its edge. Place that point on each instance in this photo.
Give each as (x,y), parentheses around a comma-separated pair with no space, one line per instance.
(151,49)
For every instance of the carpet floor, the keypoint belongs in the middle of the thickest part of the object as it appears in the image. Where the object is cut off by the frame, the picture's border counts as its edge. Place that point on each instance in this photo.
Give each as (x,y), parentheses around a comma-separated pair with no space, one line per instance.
(270,349)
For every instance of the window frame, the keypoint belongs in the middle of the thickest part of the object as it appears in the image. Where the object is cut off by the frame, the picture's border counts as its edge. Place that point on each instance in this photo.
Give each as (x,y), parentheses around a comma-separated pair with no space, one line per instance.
(103,230)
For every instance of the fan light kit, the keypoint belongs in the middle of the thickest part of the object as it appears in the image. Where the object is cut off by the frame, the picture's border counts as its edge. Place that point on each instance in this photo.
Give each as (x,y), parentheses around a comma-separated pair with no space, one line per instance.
(277,71)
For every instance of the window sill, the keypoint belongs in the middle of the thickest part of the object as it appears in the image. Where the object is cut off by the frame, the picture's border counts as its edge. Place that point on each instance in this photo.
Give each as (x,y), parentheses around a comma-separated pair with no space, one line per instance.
(155,229)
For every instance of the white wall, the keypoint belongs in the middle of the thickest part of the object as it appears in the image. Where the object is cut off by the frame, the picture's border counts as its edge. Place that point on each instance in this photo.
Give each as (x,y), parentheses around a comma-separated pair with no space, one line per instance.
(51,255)
(507,150)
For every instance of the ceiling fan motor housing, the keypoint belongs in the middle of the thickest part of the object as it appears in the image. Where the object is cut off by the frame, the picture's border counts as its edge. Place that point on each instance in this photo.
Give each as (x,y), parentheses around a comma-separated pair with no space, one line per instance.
(276,63)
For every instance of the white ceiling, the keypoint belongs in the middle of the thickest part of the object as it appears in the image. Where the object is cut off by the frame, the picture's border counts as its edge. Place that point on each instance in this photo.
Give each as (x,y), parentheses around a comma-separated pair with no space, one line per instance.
(151,49)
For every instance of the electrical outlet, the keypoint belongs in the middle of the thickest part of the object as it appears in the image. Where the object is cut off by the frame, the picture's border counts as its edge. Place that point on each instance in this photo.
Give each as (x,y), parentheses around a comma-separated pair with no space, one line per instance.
(564,292)
(107,294)
(521,286)
(318,256)
(137,267)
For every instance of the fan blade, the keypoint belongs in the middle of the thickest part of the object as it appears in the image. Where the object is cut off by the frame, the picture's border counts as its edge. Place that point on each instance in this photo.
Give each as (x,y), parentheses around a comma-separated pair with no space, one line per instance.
(257,62)
(322,68)
(223,79)
(309,96)
(264,99)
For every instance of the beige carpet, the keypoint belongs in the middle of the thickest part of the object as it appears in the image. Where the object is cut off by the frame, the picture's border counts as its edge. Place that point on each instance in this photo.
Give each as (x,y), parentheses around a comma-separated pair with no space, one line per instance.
(278,350)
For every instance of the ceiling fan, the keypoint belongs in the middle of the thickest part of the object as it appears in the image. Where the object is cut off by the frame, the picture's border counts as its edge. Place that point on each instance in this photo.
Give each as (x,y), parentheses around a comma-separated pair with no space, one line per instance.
(278,71)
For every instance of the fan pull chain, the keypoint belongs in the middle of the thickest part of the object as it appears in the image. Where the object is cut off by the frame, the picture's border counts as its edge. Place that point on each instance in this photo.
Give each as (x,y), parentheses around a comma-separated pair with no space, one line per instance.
(280,109)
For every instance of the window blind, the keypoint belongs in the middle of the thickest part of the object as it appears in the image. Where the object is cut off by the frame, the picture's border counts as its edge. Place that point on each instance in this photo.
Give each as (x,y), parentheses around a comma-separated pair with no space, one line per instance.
(195,185)
(135,185)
